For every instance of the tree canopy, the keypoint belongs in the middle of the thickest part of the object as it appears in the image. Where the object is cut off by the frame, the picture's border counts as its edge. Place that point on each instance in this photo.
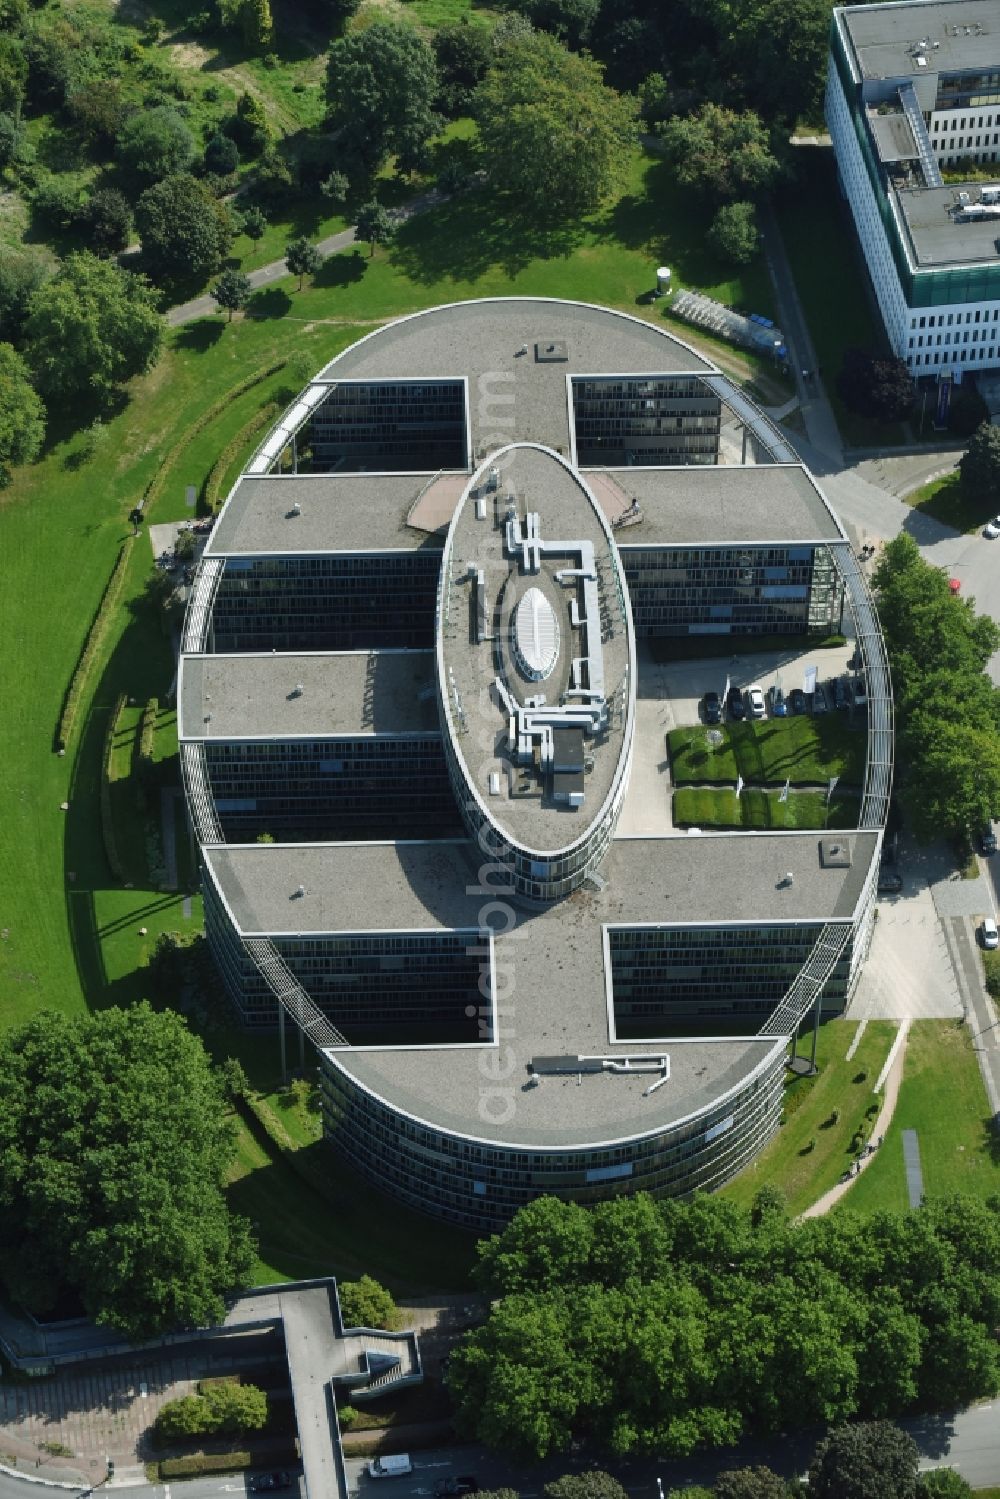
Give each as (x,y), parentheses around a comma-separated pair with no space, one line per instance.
(947,709)
(219,1406)
(733,233)
(463,53)
(872,1460)
(374,225)
(232,291)
(155,143)
(643,1327)
(721,153)
(365,1303)
(875,385)
(381,86)
(183,230)
(302,258)
(91,327)
(114,1147)
(571,21)
(979,466)
(553,137)
(22,415)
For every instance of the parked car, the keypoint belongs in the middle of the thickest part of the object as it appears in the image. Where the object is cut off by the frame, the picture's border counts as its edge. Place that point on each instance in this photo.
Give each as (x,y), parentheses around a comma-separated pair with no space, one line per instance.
(267,1482)
(797,700)
(991,530)
(711,707)
(841,692)
(988,933)
(464,1483)
(819,702)
(859,691)
(889,881)
(736,704)
(987,839)
(755,698)
(779,706)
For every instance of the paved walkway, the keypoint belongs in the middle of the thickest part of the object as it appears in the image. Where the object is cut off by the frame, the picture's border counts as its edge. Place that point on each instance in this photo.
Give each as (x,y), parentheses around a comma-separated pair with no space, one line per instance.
(892,1082)
(205,306)
(911,1163)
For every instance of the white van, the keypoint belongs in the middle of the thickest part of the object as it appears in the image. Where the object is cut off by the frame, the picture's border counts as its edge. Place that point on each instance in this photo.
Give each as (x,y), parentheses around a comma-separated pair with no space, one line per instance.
(390,1467)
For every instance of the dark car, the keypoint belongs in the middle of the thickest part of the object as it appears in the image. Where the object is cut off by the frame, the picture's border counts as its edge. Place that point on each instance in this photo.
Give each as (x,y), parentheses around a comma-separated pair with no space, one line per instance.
(465,1483)
(840,692)
(987,839)
(889,882)
(736,704)
(267,1482)
(712,707)
(797,700)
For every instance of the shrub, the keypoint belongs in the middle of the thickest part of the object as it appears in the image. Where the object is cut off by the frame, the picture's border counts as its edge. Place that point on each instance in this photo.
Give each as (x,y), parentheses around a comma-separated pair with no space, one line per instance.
(364,1303)
(147,729)
(215,1462)
(991,966)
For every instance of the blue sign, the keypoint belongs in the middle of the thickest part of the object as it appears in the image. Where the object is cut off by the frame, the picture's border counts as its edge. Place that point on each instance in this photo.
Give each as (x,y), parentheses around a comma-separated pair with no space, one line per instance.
(943,401)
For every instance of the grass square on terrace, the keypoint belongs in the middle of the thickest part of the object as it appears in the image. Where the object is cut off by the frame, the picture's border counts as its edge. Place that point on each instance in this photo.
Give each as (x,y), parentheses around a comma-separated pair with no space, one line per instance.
(806,750)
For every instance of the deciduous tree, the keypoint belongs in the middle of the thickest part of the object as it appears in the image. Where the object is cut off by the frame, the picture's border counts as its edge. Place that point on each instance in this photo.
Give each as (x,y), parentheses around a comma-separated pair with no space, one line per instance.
(869,1460)
(184,231)
(552,136)
(155,143)
(979,466)
(107,220)
(374,226)
(733,234)
(114,1149)
(365,1303)
(381,85)
(89,328)
(302,258)
(876,386)
(721,153)
(22,415)
(232,291)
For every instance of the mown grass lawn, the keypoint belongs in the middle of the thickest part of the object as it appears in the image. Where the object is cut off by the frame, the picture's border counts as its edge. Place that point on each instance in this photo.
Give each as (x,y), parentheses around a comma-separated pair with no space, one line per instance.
(758,808)
(803,1172)
(947,501)
(942,1097)
(807,749)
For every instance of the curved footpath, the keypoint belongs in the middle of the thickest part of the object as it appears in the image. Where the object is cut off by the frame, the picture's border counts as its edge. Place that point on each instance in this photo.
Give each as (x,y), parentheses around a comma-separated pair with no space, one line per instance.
(892,1076)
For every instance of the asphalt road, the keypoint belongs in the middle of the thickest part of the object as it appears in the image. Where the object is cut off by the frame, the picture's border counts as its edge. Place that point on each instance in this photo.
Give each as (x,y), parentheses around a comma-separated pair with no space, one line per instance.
(190,1488)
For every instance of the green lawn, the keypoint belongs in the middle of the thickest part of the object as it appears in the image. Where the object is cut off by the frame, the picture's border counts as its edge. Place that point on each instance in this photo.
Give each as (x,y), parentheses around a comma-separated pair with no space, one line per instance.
(801,1172)
(762,809)
(805,748)
(821,244)
(942,1097)
(947,501)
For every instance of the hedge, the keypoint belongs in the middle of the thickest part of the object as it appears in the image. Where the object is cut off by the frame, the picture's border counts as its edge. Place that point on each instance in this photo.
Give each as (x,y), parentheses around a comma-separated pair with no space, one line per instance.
(211,1462)
(158,482)
(220,467)
(147,729)
(91,646)
(107,818)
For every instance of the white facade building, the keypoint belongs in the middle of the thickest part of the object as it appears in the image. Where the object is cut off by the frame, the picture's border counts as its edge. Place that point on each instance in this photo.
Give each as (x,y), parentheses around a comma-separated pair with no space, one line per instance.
(913,92)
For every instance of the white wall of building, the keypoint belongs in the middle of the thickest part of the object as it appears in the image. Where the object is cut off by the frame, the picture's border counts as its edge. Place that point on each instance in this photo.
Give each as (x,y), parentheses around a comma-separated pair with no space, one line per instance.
(951,338)
(964,134)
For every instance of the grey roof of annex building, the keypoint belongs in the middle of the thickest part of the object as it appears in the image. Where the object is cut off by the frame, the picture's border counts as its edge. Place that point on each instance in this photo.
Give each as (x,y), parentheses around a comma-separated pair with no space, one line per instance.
(351,693)
(556,1000)
(936,239)
(882,36)
(336,513)
(566,513)
(702,505)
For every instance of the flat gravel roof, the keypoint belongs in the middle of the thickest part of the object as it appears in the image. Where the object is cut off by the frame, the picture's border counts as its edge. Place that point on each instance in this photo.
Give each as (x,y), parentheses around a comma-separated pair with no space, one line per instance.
(697,505)
(336,513)
(882,36)
(514,396)
(352,693)
(552,960)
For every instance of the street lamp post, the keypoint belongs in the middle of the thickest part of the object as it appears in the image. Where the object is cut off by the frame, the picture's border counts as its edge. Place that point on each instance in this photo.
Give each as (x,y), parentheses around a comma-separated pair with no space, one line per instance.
(659,1488)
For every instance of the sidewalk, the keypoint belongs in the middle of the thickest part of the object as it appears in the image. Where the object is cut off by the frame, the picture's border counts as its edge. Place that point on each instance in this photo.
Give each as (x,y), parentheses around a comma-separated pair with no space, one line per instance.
(205,305)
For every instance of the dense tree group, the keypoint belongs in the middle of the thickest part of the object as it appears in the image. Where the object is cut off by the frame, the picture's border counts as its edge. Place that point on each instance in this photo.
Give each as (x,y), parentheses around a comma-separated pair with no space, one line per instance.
(659,1327)
(114,1147)
(22,415)
(947,708)
(219,1406)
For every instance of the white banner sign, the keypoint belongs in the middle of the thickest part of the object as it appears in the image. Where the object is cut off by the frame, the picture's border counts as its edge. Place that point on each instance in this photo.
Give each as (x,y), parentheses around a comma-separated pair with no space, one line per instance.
(809,680)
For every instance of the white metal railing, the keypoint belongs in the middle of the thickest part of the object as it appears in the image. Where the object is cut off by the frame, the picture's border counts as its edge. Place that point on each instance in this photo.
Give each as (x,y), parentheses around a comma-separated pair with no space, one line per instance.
(877,787)
(200,800)
(808,985)
(198,620)
(290,994)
